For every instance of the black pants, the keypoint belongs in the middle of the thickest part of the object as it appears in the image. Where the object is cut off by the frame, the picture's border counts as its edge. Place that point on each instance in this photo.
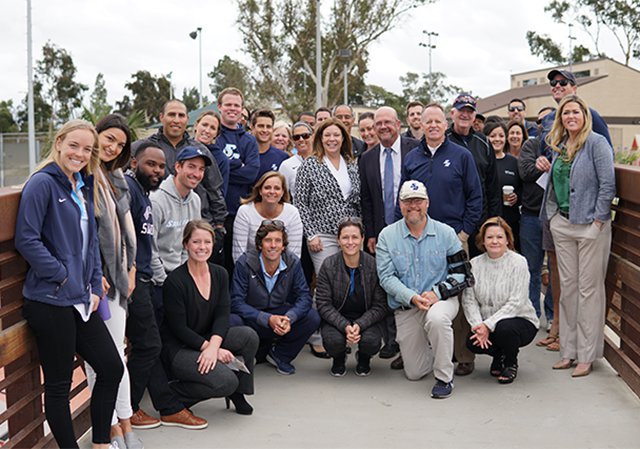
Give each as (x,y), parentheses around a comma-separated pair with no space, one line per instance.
(193,387)
(60,332)
(335,341)
(228,245)
(509,336)
(145,368)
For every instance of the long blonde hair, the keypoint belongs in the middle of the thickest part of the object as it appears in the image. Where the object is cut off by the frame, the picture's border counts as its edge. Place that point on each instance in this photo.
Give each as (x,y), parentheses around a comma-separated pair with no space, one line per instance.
(54,156)
(559,134)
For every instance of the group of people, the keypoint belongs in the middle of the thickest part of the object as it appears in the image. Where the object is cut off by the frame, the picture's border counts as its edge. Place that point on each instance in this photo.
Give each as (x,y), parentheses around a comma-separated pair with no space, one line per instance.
(230,247)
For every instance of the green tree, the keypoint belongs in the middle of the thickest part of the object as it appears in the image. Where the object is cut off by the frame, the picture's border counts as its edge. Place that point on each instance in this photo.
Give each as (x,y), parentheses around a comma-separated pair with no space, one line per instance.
(7,121)
(377,96)
(279,35)
(231,73)
(417,88)
(42,111)
(191,99)
(56,73)
(149,93)
(98,104)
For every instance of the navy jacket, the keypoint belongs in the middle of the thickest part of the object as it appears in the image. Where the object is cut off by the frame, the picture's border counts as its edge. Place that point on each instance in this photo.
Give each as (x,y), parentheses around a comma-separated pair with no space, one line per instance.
(241,148)
(48,236)
(143,223)
(250,298)
(453,185)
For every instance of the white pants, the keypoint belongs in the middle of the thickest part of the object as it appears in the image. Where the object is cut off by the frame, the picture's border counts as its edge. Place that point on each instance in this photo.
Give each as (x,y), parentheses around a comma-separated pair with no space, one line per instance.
(583,255)
(329,248)
(116,325)
(426,340)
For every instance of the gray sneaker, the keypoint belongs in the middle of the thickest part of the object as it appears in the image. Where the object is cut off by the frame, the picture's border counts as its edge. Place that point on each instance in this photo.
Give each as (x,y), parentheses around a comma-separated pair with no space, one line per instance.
(132,440)
(117,443)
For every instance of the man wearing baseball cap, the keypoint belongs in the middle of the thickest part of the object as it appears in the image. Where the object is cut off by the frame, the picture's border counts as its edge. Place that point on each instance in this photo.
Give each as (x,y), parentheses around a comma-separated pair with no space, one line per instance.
(422,267)
(174,204)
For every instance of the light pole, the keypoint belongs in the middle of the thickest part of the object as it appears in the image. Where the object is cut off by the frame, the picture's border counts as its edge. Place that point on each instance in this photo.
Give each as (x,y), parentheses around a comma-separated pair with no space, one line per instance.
(318,58)
(430,46)
(571,39)
(345,55)
(30,111)
(194,35)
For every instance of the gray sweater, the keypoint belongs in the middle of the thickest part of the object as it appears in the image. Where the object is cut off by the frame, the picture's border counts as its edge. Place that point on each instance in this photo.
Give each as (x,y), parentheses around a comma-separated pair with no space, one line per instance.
(501,291)
(171,213)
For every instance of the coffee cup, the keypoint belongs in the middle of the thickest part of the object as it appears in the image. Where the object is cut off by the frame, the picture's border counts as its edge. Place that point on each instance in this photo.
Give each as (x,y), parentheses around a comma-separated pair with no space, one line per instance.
(506,191)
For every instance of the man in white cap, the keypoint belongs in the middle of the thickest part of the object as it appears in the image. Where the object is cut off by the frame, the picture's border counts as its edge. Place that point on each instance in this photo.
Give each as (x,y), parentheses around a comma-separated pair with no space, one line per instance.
(423,269)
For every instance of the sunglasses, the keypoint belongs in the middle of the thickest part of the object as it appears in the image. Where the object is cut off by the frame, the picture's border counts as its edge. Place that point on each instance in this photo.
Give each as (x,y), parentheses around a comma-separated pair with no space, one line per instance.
(563,83)
(297,137)
(277,223)
(516,108)
(347,219)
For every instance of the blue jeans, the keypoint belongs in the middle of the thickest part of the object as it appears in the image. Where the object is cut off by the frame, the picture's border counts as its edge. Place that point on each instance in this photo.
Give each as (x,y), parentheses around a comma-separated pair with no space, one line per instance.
(531,247)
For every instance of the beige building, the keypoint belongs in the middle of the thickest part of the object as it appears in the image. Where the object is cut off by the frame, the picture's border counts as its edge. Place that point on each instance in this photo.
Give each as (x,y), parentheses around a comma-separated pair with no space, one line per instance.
(607,86)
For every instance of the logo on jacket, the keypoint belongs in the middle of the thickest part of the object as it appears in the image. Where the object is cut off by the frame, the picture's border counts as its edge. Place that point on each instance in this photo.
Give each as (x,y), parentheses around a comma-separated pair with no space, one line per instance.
(147,213)
(61,200)
(446,163)
(230,151)
(274,167)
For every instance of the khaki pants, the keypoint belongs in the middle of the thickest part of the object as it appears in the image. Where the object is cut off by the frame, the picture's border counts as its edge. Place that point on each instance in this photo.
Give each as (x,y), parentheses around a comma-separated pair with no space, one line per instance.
(583,253)
(426,340)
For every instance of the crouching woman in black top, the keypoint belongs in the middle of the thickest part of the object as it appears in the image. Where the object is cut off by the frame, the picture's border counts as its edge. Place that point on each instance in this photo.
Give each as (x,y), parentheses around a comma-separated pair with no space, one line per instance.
(197,341)
(350,301)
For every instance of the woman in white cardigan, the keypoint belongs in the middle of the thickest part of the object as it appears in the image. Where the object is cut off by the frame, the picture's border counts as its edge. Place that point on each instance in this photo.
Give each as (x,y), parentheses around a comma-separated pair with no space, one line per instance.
(497,307)
(269,200)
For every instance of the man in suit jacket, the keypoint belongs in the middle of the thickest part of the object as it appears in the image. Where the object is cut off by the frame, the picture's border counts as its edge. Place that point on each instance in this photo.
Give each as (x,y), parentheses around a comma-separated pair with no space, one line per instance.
(372,196)
(372,164)
(344,113)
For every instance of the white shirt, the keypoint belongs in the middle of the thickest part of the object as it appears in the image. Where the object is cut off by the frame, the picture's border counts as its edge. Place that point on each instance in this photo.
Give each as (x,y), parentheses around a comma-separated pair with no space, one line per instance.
(341,175)
(289,169)
(397,166)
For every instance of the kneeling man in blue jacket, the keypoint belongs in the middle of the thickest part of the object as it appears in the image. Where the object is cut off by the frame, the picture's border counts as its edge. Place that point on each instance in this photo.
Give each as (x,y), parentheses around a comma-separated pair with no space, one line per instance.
(270,294)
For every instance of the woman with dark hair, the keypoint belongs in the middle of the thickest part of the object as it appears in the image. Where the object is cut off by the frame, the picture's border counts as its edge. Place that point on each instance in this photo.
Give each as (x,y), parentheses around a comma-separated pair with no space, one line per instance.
(327,189)
(269,200)
(207,130)
(116,235)
(516,136)
(577,200)
(56,234)
(350,301)
(508,176)
(199,348)
(497,307)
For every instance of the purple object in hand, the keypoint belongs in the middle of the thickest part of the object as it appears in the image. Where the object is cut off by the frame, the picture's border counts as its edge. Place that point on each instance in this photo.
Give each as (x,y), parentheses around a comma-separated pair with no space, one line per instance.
(103,309)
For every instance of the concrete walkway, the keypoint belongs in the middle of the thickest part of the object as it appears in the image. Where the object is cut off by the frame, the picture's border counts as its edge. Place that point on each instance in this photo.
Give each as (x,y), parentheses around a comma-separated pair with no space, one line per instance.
(311,409)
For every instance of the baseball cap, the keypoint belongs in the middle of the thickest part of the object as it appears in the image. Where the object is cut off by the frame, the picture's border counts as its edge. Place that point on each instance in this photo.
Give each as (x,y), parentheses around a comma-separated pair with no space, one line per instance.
(191,152)
(464,100)
(413,189)
(564,73)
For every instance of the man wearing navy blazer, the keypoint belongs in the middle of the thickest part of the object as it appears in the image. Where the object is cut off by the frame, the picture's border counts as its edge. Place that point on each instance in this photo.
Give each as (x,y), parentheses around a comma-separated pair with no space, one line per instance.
(372,168)
(386,157)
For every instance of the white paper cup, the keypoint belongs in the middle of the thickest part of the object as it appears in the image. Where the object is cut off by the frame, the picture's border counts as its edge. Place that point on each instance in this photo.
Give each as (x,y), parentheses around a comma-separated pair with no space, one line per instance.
(506,191)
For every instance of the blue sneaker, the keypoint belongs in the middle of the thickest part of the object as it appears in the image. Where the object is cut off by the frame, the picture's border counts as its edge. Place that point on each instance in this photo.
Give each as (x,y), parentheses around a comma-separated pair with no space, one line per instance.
(442,389)
(282,367)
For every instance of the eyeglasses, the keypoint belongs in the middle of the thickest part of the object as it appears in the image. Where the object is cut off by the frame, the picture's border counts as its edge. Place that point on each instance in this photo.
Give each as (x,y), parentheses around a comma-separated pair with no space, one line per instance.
(516,108)
(277,223)
(562,82)
(297,137)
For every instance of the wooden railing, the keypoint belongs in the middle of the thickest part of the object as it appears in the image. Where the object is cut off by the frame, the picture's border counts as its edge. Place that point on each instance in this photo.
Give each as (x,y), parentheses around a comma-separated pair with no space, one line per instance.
(622,345)
(23,420)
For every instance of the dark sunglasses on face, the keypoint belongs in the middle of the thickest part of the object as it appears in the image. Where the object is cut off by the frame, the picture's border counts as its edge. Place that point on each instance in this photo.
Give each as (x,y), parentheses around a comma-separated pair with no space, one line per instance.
(516,108)
(297,137)
(563,83)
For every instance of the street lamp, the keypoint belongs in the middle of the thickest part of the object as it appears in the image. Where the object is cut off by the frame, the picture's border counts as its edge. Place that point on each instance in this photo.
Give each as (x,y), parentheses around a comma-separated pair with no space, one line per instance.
(30,109)
(430,47)
(571,39)
(194,35)
(345,55)
(318,58)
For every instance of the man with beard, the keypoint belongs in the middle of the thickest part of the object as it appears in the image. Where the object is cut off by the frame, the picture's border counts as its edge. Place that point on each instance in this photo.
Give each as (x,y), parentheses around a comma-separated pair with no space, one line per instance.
(145,367)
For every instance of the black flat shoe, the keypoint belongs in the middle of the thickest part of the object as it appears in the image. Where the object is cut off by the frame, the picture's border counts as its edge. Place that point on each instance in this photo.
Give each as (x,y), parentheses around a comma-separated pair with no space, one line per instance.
(319,354)
(240,403)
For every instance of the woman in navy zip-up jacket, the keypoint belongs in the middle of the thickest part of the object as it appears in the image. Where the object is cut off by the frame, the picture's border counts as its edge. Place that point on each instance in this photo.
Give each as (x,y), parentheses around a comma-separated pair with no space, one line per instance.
(56,234)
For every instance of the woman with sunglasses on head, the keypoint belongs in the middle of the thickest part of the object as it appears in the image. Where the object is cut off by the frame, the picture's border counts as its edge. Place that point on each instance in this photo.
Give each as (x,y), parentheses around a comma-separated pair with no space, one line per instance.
(577,201)
(56,234)
(350,301)
(116,235)
(269,200)
(301,137)
(198,344)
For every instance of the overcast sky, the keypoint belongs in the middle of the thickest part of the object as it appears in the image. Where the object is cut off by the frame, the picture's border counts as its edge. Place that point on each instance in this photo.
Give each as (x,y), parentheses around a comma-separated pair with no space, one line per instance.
(480,43)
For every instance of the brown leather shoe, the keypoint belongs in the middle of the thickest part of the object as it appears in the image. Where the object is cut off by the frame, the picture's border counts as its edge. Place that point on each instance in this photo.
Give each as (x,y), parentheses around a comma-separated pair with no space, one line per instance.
(464,368)
(398,363)
(140,420)
(185,419)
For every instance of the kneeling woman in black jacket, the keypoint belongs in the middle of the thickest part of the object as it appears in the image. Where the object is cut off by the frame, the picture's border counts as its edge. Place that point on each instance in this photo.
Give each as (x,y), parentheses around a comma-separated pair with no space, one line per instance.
(350,301)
